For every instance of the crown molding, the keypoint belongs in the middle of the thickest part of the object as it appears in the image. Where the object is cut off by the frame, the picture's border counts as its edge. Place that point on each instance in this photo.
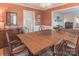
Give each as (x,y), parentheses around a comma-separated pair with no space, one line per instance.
(55,6)
(66,9)
(20,4)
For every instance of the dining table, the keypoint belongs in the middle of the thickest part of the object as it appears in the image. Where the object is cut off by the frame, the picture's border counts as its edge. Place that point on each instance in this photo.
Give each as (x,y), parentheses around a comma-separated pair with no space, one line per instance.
(39,40)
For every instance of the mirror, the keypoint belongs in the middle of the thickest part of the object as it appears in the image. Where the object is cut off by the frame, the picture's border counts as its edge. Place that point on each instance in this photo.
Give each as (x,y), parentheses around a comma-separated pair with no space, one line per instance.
(11,18)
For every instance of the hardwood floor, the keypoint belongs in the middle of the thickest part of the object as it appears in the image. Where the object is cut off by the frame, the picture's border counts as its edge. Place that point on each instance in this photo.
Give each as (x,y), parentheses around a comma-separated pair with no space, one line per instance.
(1,52)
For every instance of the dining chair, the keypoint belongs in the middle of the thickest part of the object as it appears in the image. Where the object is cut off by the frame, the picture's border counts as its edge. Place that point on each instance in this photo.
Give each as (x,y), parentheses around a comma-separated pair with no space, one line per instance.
(24,29)
(46,52)
(41,28)
(59,48)
(72,46)
(13,38)
(72,49)
(16,51)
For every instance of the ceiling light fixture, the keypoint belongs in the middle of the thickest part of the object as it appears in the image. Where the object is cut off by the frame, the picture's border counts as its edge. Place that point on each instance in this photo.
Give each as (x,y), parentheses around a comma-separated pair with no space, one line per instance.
(44,5)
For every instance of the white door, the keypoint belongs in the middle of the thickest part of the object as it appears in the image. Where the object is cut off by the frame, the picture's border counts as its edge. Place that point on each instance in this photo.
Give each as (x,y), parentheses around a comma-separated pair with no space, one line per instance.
(29,20)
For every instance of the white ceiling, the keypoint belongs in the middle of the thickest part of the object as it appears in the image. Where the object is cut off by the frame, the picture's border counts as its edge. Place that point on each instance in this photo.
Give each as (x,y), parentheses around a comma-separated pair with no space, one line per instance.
(42,6)
(70,11)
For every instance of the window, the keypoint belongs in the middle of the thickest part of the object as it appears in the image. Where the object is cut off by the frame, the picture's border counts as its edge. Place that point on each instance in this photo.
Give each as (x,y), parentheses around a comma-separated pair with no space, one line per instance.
(11,18)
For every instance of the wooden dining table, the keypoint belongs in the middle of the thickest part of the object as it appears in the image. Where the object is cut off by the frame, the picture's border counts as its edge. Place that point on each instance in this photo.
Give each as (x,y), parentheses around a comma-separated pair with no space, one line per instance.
(39,40)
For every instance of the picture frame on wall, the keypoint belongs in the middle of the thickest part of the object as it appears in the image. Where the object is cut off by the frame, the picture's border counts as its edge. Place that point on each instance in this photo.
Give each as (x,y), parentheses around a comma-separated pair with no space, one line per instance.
(11,18)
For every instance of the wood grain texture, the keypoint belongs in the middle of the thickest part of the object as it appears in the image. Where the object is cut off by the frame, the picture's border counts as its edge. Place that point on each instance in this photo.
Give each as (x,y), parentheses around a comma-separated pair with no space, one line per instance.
(37,41)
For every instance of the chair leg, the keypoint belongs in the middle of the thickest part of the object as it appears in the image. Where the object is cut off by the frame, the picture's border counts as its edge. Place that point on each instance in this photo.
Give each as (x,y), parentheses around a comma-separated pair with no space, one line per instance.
(30,54)
(11,55)
(52,48)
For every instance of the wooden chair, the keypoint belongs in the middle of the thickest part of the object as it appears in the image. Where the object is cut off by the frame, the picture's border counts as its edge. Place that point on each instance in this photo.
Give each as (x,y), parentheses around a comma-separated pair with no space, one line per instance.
(71,48)
(24,30)
(59,48)
(46,52)
(21,31)
(41,28)
(2,39)
(13,38)
(16,51)
(72,45)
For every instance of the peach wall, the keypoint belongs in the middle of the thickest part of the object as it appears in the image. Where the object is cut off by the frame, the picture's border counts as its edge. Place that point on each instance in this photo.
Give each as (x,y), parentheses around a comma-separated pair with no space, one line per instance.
(47,13)
(39,14)
(2,17)
(45,16)
(7,7)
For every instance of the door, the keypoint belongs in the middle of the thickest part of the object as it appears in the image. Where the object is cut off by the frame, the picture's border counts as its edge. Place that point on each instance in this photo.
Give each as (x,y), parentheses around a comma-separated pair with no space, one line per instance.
(29,20)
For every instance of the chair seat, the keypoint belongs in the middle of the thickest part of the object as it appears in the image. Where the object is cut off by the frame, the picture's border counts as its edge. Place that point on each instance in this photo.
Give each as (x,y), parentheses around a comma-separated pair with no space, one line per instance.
(18,49)
(24,53)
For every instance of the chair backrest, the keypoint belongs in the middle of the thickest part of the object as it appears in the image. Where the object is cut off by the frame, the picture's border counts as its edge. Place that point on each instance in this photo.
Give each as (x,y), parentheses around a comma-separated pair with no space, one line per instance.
(71,37)
(7,36)
(58,48)
(58,44)
(11,35)
(42,28)
(59,41)
(25,29)
(8,43)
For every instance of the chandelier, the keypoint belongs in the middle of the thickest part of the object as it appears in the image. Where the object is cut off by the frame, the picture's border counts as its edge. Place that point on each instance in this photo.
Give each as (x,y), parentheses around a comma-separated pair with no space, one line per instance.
(45,5)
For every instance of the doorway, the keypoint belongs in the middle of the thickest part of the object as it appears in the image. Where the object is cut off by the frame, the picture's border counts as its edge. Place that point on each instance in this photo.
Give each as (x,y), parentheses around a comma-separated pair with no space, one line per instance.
(68,18)
(29,20)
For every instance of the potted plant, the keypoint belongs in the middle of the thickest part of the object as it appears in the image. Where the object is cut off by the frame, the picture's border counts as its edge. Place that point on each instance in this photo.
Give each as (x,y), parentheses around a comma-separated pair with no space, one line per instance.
(58,27)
